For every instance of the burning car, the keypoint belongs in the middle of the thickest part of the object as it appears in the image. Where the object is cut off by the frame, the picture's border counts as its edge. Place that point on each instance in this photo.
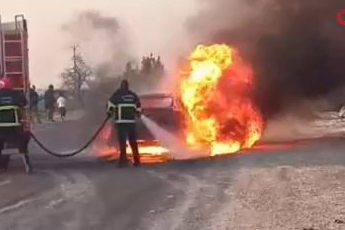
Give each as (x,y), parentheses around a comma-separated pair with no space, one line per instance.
(214,113)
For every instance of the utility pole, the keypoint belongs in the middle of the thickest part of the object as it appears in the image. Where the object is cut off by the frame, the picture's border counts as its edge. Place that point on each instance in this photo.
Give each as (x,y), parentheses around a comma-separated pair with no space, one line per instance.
(75,69)
(74,47)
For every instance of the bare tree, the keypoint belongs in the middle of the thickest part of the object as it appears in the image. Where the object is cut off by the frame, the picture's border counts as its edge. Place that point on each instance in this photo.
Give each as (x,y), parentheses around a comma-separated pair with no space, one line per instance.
(73,78)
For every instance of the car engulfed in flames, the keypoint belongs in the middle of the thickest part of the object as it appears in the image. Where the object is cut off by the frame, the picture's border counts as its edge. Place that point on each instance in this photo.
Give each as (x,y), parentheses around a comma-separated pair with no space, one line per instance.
(211,111)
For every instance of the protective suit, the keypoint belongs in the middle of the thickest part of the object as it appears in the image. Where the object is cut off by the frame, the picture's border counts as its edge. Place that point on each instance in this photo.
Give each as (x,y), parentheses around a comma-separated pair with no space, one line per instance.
(124,105)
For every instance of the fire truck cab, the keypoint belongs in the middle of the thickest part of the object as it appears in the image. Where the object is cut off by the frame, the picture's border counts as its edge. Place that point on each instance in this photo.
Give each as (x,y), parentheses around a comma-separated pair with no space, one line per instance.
(14,59)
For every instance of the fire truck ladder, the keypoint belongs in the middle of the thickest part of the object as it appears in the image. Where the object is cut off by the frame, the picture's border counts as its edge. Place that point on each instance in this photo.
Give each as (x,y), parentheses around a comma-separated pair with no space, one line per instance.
(15,58)
(2,53)
(16,38)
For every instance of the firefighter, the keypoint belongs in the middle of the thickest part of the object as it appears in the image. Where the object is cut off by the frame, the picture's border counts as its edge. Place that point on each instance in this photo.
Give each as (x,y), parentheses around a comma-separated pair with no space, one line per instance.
(125,106)
(12,103)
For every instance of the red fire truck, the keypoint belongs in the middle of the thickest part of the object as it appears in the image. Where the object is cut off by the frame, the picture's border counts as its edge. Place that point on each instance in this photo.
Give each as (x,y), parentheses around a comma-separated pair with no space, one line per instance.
(14,59)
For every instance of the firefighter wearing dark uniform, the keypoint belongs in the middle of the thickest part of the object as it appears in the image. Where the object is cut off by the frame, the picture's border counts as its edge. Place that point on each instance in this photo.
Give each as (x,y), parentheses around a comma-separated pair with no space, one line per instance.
(124,105)
(12,103)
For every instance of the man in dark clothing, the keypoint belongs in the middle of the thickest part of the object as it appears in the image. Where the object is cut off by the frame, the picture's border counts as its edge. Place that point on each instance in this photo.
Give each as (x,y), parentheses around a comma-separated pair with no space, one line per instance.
(34,98)
(125,106)
(49,99)
(12,103)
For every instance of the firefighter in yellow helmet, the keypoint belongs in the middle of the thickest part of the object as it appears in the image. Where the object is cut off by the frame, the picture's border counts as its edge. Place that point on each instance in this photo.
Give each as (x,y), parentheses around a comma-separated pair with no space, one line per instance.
(12,103)
(124,105)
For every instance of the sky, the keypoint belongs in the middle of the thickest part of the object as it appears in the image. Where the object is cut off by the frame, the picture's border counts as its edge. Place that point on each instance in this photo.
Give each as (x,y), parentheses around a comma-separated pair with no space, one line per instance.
(151,26)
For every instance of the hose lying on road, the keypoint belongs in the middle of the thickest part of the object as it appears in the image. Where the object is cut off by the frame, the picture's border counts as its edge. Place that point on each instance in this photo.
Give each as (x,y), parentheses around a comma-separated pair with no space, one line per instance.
(61,155)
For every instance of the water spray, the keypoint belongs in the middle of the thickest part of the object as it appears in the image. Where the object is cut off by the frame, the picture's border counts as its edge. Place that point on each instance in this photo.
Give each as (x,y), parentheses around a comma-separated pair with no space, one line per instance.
(167,139)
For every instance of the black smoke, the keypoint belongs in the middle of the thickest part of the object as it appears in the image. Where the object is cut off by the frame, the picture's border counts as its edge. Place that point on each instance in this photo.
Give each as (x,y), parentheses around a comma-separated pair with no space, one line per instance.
(100,22)
(103,41)
(296,47)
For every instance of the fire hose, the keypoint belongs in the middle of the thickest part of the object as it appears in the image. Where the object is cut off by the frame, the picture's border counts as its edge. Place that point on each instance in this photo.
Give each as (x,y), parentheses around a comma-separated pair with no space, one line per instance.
(71,154)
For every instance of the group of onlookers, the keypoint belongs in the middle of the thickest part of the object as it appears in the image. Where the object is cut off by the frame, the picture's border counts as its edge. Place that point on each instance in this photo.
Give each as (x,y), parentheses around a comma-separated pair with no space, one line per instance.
(50,103)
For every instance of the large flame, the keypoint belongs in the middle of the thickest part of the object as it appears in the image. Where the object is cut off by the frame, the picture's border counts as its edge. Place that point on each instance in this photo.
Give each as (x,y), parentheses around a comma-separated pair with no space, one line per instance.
(215,95)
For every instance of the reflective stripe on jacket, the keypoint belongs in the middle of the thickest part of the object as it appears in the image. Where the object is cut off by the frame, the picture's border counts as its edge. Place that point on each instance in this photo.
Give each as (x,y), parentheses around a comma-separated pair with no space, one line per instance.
(124,112)
(124,106)
(9,116)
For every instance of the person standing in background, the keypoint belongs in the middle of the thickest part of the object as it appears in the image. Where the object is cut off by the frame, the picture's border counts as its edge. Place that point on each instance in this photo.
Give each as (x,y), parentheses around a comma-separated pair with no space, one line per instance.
(34,98)
(61,102)
(49,99)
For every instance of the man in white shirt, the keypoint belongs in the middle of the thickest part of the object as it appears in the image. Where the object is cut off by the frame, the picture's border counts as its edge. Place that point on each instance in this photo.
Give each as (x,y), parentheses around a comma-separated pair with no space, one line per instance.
(61,102)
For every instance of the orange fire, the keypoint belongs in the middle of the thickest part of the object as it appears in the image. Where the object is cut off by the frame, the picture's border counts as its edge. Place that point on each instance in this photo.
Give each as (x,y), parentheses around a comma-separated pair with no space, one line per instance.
(150,151)
(215,95)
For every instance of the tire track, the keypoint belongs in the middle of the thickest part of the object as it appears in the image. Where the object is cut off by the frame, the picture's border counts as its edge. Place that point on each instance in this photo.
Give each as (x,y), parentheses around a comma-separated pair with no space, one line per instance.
(69,195)
(199,200)
(15,206)
(6,182)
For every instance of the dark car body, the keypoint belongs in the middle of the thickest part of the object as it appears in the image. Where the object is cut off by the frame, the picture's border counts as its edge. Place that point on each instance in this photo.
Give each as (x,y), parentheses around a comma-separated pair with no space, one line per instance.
(163,109)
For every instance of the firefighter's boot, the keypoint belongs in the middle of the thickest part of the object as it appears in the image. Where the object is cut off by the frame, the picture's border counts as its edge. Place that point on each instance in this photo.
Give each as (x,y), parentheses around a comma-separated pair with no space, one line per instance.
(137,162)
(27,163)
(136,157)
